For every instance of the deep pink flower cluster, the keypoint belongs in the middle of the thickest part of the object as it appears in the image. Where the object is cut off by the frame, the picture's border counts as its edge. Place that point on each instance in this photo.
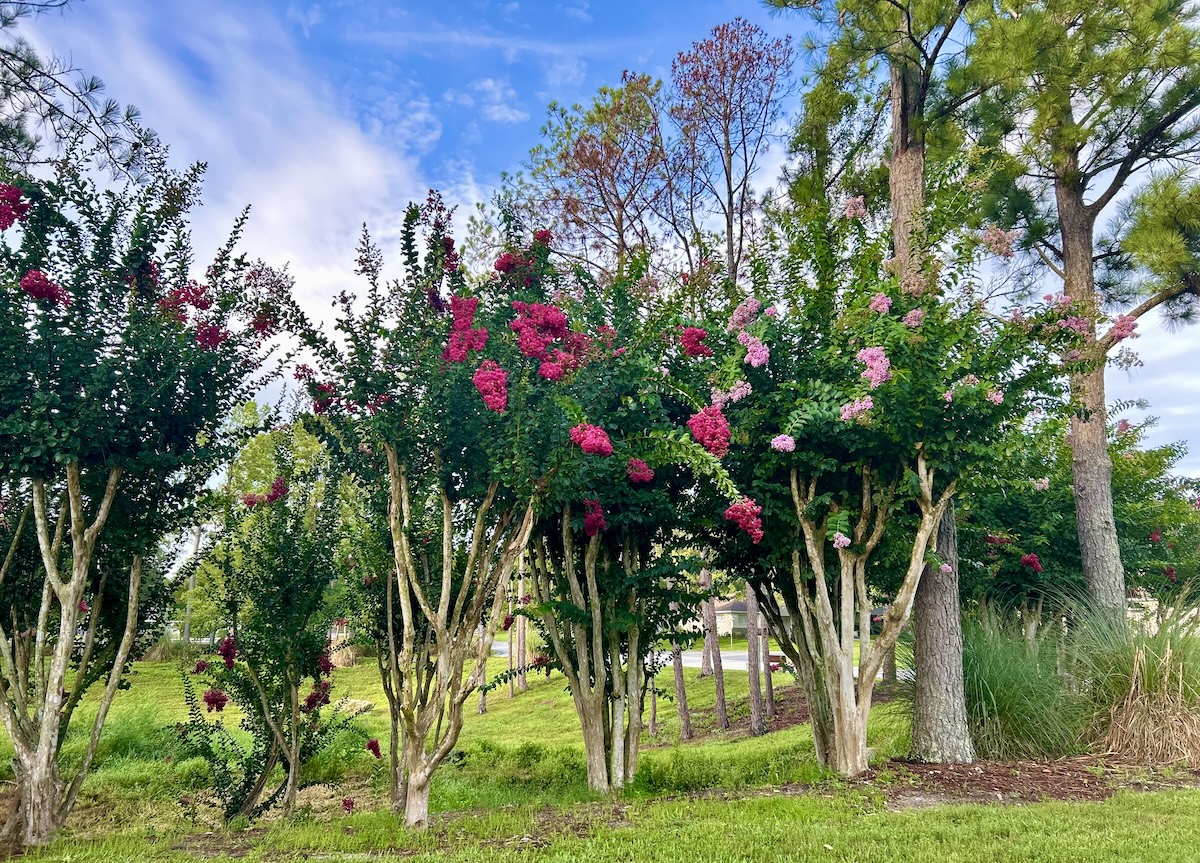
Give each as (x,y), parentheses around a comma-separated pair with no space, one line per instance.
(747,515)
(538,325)
(999,241)
(1031,560)
(711,430)
(12,208)
(38,285)
(227,650)
(84,607)
(324,398)
(744,314)
(506,625)
(881,303)
(856,408)
(1156,535)
(464,337)
(692,340)
(492,383)
(373,747)
(265,322)
(878,366)
(736,393)
(211,337)
(215,699)
(201,667)
(592,439)
(543,237)
(279,488)
(757,353)
(177,300)
(1124,327)
(508,261)
(783,443)
(855,208)
(914,318)
(991,539)
(316,698)
(1062,301)
(638,471)
(593,517)
(347,805)
(325,663)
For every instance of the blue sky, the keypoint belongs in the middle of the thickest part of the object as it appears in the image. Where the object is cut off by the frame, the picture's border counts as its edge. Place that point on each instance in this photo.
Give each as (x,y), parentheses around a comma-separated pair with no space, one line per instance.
(323,115)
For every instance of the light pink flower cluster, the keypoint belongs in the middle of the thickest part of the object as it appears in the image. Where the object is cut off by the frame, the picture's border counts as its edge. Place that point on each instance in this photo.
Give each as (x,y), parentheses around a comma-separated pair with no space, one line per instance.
(878,366)
(464,338)
(999,241)
(1124,427)
(995,397)
(1062,301)
(711,430)
(592,439)
(744,314)
(757,353)
(593,517)
(736,393)
(855,208)
(1076,324)
(856,408)
(692,340)
(840,540)
(38,285)
(1124,327)
(783,443)
(914,318)
(948,395)
(945,569)
(492,383)
(1042,484)
(747,515)
(638,471)
(881,303)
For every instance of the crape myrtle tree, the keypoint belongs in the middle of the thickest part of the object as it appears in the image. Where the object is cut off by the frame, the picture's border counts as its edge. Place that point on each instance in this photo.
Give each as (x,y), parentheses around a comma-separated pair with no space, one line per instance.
(1093,96)
(878,397)
(276,560)
(638,444)
(449,439)
(119,371)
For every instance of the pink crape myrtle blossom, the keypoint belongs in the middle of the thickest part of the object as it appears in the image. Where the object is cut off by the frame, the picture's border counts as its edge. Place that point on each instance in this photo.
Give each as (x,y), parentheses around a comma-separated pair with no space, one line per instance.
(881,303)
(747,515)
(711,430)
(692,341)
(744,314)
(855,208)
(492,383)
(757,353)
(736,393)
(783,443)
(638,471)
(878,366)
(914,318)
(1124,327)
(840,540)
(856,408)
(592,439)
(999,241)
(593,518)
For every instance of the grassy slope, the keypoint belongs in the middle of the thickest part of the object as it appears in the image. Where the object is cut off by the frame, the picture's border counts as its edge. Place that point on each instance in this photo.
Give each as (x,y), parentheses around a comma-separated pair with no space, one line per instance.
(524,756)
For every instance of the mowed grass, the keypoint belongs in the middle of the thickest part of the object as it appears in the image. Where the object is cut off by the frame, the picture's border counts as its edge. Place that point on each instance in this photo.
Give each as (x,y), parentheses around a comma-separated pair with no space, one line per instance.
(515,789)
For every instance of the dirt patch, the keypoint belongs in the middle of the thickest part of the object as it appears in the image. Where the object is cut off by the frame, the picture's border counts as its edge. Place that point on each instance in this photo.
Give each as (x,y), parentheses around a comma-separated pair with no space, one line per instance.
(216,844)
(910,785)
(580,820)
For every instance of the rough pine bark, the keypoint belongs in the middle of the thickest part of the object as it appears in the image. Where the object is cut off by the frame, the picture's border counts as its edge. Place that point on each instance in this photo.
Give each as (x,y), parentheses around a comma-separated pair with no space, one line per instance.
(758,725)
(940,733)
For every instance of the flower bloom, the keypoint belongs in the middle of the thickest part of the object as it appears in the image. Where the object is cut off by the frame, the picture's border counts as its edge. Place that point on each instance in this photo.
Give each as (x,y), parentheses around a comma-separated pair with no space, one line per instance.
(12,208)
(536,326)
(736,393)
(593,517)
(325,664)
(1124,427)
(227,650)
(914,318)
(997,540)
(1156,535)
(1124,327)
(201,667)
(84,607)
(592,439)
(878,366)
(995,397)
(711,430)
(38,285)
(746,312)
(543,237)
(316,698)
(855,208)
(176,301)
(464,337)
(211,337)
(999,241)
(783,443)
(1031,560)
(840,540)
(373,747)
(757,353)
(948,395)
(492,383)
(638,471)
(771,312)
(747,515)
(692,340)
(551,371)
(881,303)
(946,569)
(856,408)
(215,699)
(1042,484)
(348,804)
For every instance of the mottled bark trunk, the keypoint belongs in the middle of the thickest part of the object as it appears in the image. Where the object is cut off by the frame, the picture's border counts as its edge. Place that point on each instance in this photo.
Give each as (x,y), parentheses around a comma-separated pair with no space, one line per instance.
(1090,462)
(39,792)
(591,717)
(758,725)
(713,645)
(416,801)
(939,727)
(685,715)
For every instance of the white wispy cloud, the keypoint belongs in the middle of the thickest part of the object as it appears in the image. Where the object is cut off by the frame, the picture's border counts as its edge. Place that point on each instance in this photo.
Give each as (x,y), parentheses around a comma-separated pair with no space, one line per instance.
(497,101)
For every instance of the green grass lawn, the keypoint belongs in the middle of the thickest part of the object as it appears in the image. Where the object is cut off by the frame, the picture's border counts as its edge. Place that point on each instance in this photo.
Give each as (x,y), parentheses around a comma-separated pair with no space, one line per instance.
(516,790)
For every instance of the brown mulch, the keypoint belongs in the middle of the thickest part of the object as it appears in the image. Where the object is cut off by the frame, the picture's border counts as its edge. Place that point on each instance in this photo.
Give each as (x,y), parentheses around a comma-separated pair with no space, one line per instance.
(908,785)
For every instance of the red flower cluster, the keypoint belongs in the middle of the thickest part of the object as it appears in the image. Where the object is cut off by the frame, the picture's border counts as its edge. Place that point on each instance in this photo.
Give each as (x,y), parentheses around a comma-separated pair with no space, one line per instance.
(544,237)
(692,340)
(314,699)
(1156,535)
(227,650)
(593,517)
(215,699)
(373,747)
(508,622)
(592,439)
(996,540)
(711,430)
(748,516)
(211,337)
(325,664)
(278,489)
(1031,560)
(463,336)
(265,322)
(638,471)
(507,262)
(536,326)
(324,400)
(492,383)
(348,804)
(12,208)
(175,303)
(38,285)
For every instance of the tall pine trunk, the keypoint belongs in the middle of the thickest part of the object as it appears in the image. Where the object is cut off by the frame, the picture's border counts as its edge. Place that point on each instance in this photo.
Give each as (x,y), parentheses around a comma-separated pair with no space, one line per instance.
(940,733)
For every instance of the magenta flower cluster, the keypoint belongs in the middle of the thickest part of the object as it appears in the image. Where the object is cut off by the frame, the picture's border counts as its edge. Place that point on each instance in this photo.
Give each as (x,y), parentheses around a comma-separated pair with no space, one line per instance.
(592,439)
(593,517)
(215,699)
(464,336)
(692,341)
(747,515)
(227,650)
(12,208)
(279,488)
(38,285)
(711,430)
(492,383)
(638,471)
